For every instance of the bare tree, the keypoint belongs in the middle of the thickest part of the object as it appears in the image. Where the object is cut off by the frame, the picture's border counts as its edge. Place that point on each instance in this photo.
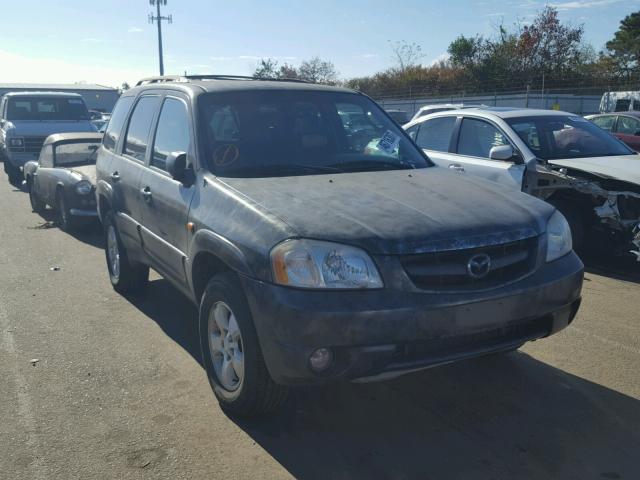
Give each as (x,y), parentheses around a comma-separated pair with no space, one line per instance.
(317,70)
(406,54)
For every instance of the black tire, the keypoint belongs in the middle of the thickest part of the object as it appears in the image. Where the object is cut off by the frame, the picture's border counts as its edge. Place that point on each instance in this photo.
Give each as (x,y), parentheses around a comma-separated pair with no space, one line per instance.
(257,393)
(66,222)
(37,205)
(129,277)
(14,174)
(576,223)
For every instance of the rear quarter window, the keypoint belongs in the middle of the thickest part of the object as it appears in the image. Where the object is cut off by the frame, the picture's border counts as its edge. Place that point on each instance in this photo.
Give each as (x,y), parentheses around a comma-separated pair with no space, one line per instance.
(118,117)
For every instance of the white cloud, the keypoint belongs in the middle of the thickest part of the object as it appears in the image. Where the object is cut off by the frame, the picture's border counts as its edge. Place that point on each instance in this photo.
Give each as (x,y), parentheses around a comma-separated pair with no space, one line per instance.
(92,40)
(497,14)
(440,58)
(583,4)
(369,55)
(135,30)
(221,59)
(22,69)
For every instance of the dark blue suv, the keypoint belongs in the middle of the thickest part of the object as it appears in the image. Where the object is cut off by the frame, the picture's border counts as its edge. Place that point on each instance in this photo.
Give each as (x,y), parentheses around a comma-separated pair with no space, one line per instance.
(316,247)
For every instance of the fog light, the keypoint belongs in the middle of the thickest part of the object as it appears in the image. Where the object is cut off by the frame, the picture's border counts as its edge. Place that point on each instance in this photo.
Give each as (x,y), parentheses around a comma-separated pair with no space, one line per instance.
(320,359)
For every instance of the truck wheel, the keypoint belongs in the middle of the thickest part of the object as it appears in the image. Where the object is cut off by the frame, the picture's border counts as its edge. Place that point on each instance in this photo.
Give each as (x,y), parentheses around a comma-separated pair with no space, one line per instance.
(231,352)
(14,174)
(126,276)
(37,205)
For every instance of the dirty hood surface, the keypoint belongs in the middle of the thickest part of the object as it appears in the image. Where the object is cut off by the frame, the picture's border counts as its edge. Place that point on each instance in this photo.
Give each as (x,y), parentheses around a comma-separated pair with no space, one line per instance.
(621,167)
(398,212)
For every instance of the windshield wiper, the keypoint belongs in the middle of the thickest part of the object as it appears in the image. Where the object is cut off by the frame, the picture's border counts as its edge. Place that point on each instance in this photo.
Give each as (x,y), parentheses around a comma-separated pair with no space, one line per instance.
(376,164)
(283,168)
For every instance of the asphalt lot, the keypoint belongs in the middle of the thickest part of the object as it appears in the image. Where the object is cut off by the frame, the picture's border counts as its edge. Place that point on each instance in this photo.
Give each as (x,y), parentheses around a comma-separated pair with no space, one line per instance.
(118,390)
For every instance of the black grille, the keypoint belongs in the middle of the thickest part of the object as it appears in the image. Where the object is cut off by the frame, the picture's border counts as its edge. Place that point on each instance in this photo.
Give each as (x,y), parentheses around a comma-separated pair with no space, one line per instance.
(448,270)
(450,347)
(33,144)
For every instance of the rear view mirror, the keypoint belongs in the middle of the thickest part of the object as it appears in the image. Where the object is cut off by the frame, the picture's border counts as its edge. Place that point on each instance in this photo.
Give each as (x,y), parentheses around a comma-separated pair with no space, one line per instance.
(501,152)
(176,165)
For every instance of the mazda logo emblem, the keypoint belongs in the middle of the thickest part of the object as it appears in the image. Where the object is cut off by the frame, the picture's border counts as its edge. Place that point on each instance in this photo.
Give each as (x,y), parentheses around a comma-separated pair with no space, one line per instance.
(479,266)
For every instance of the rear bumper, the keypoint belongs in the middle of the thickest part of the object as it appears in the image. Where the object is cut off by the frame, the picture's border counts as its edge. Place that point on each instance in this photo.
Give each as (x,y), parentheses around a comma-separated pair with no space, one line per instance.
(387,332)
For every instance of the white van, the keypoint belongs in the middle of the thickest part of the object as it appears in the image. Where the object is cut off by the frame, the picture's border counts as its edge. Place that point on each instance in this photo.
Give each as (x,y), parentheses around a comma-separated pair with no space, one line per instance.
(620,102)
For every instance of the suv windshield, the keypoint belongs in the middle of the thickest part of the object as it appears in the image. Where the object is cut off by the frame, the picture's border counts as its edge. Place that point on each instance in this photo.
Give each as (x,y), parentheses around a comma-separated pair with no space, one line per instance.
(279,133)
(75,153)
(46,108)
(555,137)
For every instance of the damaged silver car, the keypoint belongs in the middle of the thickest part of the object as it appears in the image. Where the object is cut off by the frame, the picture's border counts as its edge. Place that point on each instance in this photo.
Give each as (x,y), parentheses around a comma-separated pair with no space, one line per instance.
(589,175)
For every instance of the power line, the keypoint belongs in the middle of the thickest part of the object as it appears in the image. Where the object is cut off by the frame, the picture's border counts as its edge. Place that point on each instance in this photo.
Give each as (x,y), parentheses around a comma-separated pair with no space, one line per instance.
(159,19)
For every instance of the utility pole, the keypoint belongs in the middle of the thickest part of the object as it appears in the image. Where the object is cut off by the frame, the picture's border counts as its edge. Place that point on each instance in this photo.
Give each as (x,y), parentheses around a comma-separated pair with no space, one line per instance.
(159,19)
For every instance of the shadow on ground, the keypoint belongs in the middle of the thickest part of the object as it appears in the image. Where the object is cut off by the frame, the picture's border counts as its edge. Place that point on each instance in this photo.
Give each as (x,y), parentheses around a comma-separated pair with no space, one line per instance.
(499,417)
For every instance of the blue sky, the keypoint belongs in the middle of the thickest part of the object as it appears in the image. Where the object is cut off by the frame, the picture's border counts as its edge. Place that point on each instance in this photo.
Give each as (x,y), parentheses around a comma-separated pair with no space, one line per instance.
(110,41)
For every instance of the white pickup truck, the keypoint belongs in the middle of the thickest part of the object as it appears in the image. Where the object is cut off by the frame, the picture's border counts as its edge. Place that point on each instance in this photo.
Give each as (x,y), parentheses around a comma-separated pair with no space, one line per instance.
(28,118)
(588,174)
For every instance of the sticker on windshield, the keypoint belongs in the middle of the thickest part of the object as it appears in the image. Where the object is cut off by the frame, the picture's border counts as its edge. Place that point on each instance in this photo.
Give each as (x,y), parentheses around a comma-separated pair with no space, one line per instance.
(389,142)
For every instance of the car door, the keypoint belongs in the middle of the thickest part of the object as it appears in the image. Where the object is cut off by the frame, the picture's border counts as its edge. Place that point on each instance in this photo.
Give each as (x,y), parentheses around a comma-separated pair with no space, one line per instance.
(166,203)
(126,169)
(476,137)
(628,130)
(434,137)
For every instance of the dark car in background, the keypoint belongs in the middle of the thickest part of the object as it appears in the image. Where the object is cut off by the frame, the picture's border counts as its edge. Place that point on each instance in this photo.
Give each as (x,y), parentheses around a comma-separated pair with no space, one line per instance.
(28,118)
(624,125)
(317,255)
(64,177)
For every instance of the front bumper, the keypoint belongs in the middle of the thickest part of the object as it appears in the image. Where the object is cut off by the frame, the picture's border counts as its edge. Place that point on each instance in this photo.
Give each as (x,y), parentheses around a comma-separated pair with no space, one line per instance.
(379,333)
(18,159)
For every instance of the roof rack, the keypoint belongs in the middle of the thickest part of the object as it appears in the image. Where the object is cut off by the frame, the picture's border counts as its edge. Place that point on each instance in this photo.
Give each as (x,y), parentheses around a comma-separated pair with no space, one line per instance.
(187,78)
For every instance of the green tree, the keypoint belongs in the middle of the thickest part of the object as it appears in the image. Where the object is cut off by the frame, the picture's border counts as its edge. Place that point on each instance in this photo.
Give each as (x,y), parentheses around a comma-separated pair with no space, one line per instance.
(624,48)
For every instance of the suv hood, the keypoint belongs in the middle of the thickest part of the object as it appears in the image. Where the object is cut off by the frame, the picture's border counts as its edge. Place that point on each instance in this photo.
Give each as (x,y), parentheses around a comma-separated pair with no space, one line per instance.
(44,128)
(398,212)
(620,167)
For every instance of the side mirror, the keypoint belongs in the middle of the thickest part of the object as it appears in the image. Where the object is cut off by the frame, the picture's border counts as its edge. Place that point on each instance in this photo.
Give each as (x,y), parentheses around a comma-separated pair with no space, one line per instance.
(176,165)
(501,152)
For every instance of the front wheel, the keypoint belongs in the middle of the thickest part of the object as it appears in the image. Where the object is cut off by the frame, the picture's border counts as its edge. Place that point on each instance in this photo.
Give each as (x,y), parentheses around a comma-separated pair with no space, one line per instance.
(66,222)
(231,352)
(126,276)
(37,205)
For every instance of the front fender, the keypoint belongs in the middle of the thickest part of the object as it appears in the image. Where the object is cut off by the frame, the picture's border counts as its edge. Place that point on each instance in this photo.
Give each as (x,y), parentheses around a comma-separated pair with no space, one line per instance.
(206,241)
(104,192)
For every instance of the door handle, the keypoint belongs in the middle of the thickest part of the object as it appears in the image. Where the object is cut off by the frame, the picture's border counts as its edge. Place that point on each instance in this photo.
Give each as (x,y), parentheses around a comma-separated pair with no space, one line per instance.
(146,194)
(457,167)
(115,176)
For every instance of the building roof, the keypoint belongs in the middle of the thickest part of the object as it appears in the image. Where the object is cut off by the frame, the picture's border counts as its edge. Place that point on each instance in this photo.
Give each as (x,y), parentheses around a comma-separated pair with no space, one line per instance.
(56,86)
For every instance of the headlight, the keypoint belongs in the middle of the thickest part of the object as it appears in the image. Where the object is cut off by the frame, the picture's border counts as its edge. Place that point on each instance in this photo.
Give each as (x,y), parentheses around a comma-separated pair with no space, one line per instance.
(558,237)
(16,142)
(83,187)
(315,264)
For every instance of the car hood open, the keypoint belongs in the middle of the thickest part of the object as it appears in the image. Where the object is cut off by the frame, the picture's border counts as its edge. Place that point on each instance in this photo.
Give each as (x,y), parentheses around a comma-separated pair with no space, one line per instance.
(398,212)
(621,167)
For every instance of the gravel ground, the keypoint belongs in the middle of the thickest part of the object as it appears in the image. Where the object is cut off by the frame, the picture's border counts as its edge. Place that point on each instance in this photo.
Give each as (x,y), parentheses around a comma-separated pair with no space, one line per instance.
(118,391)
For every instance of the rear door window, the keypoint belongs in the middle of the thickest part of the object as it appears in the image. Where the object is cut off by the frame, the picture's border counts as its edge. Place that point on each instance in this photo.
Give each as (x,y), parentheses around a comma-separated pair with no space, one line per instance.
(435,134)
(478,137)
(137,139)
(628,126)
